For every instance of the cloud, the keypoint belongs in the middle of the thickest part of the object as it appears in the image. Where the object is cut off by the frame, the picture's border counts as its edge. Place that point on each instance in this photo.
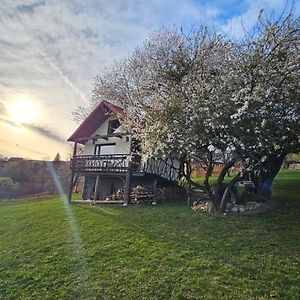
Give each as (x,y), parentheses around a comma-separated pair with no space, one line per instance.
(64,77)
(46,132)
(51,50)
(237,25)
(31,150)
(10,144)
(77,40)
(37,128)
(2,108)
(9,122)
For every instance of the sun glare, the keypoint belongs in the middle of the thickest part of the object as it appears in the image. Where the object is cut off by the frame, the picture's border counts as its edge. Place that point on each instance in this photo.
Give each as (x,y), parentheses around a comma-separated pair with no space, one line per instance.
(22,111)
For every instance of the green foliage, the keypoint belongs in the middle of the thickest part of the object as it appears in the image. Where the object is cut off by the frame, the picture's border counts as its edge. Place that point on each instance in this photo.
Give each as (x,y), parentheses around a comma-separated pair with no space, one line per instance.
(34,176)
(295,157)
(17,170)
(150,252)
(7,187)
(183,182)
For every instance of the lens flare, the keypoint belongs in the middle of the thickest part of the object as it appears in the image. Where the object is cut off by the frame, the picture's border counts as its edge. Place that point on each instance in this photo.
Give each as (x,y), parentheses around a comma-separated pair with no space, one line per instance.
(78,249)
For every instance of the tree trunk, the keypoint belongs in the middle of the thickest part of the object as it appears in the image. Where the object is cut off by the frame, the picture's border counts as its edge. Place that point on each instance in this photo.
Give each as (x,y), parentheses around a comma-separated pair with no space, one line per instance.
(218,192)
(268,171)
(227,192)
(186,172)
(207,186)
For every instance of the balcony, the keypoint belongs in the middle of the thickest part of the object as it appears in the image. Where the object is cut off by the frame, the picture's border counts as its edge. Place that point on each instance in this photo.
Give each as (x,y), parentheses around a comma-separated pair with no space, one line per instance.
(118,163)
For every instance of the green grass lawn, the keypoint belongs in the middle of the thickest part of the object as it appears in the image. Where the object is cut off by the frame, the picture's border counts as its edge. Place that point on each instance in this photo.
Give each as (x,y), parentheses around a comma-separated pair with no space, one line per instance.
(49,250)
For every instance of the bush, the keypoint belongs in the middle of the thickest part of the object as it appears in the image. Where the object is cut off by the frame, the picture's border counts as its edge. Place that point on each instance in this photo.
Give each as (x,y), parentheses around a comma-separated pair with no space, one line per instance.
(7,187)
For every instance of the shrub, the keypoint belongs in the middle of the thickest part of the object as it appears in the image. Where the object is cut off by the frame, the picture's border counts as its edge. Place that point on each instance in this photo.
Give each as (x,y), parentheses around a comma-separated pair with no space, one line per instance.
(7,187)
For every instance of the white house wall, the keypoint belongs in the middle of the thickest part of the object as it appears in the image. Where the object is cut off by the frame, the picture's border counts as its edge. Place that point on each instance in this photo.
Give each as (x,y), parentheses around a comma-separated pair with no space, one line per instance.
(103,128)
(122,145)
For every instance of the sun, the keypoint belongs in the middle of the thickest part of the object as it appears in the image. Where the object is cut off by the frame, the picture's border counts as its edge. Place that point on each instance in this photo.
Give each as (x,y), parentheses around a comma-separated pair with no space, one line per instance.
(22,111)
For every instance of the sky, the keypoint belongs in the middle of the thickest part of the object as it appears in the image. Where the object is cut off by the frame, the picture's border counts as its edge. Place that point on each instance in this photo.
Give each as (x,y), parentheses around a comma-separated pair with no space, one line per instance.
(51,50)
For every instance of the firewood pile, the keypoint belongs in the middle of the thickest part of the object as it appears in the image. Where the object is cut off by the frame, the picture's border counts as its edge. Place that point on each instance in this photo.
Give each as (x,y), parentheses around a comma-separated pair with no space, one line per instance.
(118,196)
(140,194)
(202,206)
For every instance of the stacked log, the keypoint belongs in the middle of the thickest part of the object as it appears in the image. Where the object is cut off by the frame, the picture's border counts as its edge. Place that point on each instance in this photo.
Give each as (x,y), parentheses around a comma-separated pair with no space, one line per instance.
(118,196)
(140,194)
(202,206)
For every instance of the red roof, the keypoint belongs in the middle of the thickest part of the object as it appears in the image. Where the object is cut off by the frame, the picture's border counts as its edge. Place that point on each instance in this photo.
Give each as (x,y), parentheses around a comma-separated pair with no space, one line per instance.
(94,120)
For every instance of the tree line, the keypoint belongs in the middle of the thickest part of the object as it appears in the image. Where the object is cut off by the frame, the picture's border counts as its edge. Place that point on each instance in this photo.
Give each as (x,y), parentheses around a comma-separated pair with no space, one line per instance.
(22,177)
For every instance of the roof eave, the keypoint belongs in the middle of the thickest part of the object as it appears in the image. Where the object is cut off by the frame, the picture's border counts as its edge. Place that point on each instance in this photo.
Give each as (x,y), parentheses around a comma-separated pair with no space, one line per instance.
(110,106)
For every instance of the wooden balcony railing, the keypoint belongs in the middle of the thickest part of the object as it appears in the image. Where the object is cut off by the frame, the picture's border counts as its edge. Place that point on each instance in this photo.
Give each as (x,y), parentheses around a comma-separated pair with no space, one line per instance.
(118,163)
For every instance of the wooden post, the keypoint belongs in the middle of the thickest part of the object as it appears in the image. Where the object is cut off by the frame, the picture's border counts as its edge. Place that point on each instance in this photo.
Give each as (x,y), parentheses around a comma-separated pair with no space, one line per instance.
(127,185)
(97,186)
(72,172)
(154,191)
(188,190)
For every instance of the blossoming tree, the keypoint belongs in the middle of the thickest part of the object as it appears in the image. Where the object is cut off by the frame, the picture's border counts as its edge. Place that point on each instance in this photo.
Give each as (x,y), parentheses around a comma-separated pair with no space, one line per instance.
(201,95)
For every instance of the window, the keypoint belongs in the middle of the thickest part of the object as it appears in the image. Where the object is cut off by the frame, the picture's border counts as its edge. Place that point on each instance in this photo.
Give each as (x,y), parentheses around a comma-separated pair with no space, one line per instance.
(112,126)
(105,149)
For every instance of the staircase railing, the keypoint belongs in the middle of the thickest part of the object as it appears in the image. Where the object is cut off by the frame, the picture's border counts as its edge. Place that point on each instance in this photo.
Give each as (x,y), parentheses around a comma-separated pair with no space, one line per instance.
(162,167)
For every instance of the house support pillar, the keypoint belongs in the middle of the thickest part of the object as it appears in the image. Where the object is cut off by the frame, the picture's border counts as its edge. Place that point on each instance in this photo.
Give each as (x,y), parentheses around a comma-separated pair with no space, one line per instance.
(127,186)
(72,172)
(97,186)
(155,184)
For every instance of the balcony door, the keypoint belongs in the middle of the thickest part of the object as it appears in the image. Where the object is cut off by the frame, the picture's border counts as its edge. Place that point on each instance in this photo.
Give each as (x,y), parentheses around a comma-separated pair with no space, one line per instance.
(105,149)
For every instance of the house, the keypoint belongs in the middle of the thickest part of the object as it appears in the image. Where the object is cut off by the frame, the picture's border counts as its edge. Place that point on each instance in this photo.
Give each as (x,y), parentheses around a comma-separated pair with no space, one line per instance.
(110,161)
